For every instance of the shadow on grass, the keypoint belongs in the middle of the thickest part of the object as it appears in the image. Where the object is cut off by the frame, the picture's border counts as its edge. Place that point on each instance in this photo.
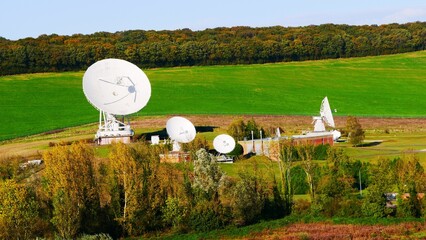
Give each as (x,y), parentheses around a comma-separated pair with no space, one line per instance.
(370,144)
(163,132)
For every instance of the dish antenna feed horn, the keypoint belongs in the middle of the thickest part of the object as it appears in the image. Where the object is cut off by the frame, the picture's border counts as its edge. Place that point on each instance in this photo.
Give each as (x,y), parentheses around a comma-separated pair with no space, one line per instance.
(115,87)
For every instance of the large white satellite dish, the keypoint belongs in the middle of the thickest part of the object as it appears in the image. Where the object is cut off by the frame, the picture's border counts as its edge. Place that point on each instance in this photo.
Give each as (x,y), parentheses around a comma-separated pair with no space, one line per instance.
(115,87)
(180,130)
(224,143)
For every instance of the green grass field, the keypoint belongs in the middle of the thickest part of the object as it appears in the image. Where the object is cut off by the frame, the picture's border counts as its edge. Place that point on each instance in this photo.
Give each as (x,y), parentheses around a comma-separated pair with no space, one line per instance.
(374,86)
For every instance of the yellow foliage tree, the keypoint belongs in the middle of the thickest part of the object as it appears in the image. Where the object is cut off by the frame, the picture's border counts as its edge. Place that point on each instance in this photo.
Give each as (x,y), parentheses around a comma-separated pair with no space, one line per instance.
(18,211)
(125,175)
(71,184)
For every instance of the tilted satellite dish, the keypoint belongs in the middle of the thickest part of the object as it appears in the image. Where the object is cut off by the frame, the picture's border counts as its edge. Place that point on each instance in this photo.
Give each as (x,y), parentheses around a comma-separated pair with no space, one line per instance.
(180,130)
(326,114)
(325,118)
(115,87)
(224,143)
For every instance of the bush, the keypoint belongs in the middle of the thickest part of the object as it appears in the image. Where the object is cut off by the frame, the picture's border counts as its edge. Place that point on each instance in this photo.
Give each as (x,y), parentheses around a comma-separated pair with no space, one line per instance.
(174,213)
(248,200)
(205,216)
(298,180)
(350,207)
(321,152)
(301,207)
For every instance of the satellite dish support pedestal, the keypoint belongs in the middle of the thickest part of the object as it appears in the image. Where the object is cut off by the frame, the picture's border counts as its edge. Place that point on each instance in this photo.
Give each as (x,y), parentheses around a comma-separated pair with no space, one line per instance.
(110,129)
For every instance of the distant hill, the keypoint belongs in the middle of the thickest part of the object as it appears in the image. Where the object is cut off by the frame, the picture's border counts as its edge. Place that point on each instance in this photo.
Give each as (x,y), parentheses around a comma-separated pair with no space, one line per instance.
(219,46)
(384,86)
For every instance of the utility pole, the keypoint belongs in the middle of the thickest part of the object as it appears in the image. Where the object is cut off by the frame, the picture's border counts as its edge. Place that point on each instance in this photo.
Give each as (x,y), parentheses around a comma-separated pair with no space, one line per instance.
(360,183)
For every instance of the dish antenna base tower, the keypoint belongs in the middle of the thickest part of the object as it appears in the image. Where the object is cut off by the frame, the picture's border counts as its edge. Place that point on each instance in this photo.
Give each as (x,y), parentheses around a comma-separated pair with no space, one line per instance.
(111,130)
(319,125)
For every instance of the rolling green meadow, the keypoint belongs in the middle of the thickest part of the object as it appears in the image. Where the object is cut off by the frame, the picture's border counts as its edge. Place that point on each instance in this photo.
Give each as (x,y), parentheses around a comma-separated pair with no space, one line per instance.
(388,86)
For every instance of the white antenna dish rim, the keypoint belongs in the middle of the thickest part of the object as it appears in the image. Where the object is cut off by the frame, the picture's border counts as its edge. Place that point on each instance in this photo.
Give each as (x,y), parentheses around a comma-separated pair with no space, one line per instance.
(116,86)
(224,143)
(180,129)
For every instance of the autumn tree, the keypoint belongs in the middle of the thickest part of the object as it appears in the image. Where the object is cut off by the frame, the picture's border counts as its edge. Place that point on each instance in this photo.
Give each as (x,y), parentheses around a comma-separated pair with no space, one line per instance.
(383,181)
(411,179)
(125,182)
(207,175)
(240,129)
(356,134)
(140,187)
(18,211)
(249,195)
(237,129)
(287,156)
(335,189)
(206,209)
(71,183)
(306,154)
(195,145)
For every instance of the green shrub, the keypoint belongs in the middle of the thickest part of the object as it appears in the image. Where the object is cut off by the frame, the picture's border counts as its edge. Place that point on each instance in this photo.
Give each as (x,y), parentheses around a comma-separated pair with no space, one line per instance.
(321,151)
(301,207)
(205,216)
(248,199)
(298,180)
(174,213)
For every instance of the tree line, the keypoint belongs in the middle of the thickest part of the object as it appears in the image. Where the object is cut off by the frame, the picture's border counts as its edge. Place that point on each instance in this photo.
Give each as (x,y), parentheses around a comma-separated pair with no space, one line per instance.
(184,47)
(130,193)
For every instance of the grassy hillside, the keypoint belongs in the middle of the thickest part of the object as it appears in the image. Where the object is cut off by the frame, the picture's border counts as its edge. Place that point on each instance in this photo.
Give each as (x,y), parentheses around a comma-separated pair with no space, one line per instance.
(375,86)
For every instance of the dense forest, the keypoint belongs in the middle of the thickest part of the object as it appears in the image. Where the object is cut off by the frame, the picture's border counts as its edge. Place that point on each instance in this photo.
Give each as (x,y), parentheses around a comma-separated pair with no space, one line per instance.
(235,45)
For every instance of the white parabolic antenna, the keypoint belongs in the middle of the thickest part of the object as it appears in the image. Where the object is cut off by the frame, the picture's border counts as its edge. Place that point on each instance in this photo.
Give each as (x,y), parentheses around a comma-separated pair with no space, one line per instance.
(180,129)
(116,86)
(224,143)
(326,113)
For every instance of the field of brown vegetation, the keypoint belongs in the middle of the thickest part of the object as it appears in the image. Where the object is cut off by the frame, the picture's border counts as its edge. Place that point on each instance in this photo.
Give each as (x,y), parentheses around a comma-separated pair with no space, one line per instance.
(343,231)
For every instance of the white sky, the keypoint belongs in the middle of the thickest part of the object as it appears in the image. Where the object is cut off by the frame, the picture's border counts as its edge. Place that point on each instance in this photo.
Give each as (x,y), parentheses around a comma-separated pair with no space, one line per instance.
(27,18)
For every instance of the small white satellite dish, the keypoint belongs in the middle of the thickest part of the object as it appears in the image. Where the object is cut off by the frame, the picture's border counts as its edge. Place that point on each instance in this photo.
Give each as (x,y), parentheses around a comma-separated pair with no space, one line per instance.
(336,135)
(224,143)
(180,130)
(115,87)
